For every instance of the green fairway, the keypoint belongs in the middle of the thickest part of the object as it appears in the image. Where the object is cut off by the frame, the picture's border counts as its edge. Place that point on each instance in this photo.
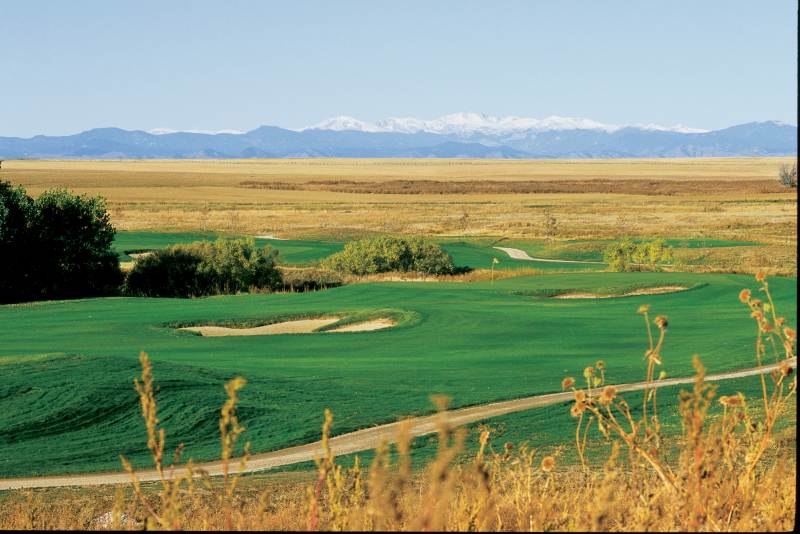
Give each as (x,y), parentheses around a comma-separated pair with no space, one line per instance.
(68,366)
(475,253)
(551,429)
(292,251)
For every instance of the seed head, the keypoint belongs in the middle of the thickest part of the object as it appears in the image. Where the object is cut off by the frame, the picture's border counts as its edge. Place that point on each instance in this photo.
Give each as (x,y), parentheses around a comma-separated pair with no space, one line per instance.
(607,395)
(744,296)
(548,463)
(577,409)
(601,365)
(567,383)
(580,395)
(789,333)
(730,401)
(588,372)
(786,369)
(661,321)
(760,276)
(644,308)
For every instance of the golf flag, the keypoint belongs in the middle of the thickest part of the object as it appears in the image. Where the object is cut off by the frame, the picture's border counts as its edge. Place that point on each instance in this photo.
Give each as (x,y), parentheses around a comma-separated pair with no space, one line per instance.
(495,261)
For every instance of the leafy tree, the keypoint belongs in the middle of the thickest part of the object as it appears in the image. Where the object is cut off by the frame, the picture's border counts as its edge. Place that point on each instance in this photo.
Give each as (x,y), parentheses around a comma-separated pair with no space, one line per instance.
(619,255)
(171,272)
(73,256)
(627,255)
(386,254)
(15,212)
(234,265)
(204,268)
(429,258)
(58,246)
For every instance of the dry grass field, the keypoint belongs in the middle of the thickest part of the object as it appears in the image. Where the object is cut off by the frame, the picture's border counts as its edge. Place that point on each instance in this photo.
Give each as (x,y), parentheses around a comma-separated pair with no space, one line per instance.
(722,198)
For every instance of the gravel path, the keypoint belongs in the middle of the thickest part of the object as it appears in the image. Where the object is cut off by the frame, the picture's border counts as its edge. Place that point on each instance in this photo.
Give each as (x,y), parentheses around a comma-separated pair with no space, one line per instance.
(365,439)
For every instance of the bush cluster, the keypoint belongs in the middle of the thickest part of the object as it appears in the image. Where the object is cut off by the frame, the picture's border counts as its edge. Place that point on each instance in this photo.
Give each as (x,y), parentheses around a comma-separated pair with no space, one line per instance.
(390,254)
(226,266)
(627,255)
(301,280)
(55,247)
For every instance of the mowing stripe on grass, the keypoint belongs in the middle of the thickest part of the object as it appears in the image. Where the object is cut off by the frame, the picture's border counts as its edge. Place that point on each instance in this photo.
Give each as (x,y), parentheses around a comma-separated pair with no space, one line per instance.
(368,438)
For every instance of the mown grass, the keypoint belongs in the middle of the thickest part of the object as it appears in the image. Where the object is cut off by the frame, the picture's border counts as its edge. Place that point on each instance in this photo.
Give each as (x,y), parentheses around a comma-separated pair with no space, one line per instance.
(475,342)
(475,253)
(721,458)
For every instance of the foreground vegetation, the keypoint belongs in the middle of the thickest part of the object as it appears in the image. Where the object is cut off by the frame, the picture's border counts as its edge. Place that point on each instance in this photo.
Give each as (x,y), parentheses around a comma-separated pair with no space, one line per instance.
(725,470)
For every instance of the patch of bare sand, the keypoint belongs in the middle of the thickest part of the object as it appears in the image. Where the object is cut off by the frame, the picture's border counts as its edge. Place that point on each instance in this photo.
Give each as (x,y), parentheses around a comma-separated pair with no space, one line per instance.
(366,326)
(300,326)
(644,291)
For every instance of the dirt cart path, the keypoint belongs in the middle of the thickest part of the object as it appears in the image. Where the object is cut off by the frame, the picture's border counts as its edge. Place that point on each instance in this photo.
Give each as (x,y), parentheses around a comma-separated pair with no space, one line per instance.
(519,254)
(365,439)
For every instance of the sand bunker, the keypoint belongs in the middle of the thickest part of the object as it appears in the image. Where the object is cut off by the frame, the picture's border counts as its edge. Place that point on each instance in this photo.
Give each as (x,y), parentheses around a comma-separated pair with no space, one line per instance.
(375,324)
(643,291)
(300,326)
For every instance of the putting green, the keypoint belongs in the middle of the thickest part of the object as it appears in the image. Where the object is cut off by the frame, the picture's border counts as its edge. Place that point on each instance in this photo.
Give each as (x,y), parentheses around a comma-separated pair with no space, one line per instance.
(68,366)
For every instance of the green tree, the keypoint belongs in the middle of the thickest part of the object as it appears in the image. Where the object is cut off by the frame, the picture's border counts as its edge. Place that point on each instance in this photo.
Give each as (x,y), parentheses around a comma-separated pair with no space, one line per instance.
(387,254)
(58,246)
(73,256)
(627,255)
(226,266)
(15,213)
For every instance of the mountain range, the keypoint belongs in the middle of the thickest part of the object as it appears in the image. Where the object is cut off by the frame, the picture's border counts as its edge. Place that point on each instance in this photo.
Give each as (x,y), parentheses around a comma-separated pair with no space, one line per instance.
(460,135)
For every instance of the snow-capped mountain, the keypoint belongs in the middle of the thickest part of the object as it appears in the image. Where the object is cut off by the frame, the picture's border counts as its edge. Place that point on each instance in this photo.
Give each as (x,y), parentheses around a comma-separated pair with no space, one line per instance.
(469,124)
(462,135)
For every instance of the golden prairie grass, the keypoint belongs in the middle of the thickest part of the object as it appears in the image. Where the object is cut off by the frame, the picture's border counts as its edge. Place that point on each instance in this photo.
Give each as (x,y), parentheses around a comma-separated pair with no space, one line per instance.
(724,472)
(720,198)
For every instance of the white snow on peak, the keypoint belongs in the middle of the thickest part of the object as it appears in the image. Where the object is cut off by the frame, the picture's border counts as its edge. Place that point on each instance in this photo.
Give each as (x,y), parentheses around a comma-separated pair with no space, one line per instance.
(468,123)
(344,123)
(679,128)
(162,131)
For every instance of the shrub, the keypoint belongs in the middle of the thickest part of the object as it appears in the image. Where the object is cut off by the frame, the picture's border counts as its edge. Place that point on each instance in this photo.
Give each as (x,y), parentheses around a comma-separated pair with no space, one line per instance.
(627,255)
(301,280)
(387,254)
(171,272)
(58,246)
(787,176)
(204,268)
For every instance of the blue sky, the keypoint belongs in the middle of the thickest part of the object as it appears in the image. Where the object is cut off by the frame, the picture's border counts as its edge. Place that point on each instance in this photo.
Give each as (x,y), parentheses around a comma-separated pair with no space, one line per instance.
(71,66)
